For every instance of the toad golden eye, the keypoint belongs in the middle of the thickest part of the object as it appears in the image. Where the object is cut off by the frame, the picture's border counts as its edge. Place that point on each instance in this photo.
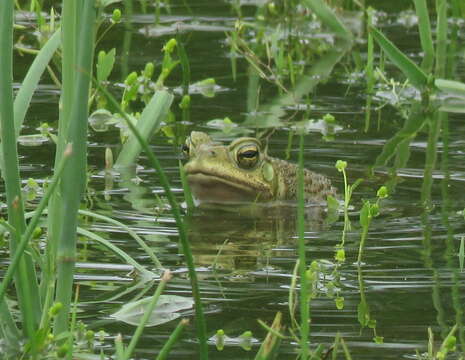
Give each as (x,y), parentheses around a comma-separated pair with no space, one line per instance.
(185,149)
(247,156)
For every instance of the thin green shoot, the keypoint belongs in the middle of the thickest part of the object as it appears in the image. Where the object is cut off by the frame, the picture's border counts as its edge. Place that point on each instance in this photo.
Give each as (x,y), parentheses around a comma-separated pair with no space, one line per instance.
(367,213)
(148,312)
(369,69)
(424,27)
(165,350)
(304,298)
(462,253)
(131,232)
(26,237)
(186,188)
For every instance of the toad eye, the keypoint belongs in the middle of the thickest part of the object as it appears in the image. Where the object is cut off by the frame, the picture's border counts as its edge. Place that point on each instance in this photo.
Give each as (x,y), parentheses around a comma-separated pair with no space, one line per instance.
(185,149)
(248,156)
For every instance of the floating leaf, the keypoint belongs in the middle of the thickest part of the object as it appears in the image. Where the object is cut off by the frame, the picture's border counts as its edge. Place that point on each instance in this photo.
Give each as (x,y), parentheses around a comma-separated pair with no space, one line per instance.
(167,309)
(363,313)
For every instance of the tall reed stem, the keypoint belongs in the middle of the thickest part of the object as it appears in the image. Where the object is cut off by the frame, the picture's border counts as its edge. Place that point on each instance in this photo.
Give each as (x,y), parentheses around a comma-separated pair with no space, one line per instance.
(74,176)
(25,277)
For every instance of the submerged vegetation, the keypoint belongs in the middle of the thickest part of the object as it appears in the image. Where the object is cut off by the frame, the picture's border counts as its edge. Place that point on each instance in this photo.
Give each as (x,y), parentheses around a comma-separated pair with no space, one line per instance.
(286,52)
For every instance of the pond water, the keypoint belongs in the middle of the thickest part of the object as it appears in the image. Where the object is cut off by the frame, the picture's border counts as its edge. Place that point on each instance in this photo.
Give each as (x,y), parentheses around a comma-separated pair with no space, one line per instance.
(410,275)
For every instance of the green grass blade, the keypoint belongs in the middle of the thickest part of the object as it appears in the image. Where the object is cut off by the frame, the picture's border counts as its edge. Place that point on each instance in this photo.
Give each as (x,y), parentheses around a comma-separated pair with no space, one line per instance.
(131,232)
(165,350)
(149,122)
(26,283)
(328,17)
(116,250)
(462,252)
(148,312)
(415,75)
(27,236)
(441,38)
(9,333)
(424,26)
(32,78)
(412,125)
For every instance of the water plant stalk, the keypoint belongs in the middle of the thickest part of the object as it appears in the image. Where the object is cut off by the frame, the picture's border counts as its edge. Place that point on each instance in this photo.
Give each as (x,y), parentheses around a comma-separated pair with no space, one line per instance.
(25,277)
(304,296)
(73,181)
(424,27)
(165,350)
(26,237)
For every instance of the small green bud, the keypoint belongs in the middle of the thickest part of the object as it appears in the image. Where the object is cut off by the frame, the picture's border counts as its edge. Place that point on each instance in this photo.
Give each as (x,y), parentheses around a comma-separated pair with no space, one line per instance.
(37,232)
(329,118)
(219,339)
(246,334)
(116,17)
(90,335)
(374,210)
(55,309)
(340,255)
(382,192)
(378,339)
(272,8)
(170,45)
(149,69)
(101,56)
(63,350)
(341,165)
(339,302)
(131,79)
(450,343)
(185,102)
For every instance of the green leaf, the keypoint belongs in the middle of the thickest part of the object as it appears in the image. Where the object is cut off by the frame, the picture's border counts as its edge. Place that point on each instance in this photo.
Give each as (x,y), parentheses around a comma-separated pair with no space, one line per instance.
(167,309)
(328,17)
(451,87)
(415,75)
(411,126)
(365,216)
(105,64)
(424,26)
(363,313)
(149,122)
(32,78)
(332,214)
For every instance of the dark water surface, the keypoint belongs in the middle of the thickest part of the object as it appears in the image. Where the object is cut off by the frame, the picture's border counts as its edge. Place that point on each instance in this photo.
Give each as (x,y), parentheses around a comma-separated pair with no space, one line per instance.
(410,273)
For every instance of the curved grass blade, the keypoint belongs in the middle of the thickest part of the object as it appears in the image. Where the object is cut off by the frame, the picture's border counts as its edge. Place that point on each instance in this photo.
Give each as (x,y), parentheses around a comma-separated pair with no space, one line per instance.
(412,125)
(131,232)
(26,237)
(114,249)
(32,78)
(165,350)
(415,75)
(328,17)
(424,26)
(25,277)
(149,122)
